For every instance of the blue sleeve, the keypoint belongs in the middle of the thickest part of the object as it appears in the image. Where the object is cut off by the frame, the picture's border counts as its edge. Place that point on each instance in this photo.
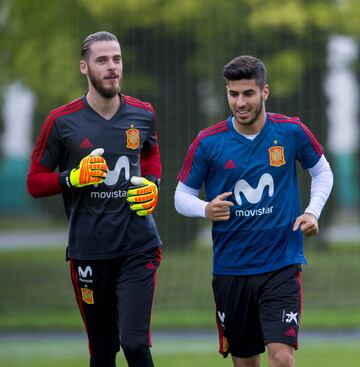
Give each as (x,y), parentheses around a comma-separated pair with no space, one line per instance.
(195,167)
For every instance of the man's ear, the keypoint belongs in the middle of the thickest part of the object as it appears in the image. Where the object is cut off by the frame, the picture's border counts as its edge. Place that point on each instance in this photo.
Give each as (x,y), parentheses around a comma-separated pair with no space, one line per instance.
(83,67)
(266,92)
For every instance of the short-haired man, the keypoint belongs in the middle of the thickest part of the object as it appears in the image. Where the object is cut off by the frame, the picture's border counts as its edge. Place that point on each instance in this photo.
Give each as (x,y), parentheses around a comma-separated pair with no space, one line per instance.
(247,164)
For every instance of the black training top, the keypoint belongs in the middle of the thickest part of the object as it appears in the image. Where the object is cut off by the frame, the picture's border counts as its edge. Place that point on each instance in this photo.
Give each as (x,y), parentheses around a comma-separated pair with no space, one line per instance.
(101,224)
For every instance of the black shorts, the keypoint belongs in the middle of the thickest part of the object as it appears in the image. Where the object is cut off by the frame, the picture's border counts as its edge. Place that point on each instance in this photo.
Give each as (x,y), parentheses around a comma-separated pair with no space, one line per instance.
(253,311)
(115,298)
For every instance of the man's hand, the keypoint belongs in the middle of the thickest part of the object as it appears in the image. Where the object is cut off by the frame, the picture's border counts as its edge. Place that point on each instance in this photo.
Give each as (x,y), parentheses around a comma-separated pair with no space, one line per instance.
(143,196)
(308,224)
(91,170)
(219,208)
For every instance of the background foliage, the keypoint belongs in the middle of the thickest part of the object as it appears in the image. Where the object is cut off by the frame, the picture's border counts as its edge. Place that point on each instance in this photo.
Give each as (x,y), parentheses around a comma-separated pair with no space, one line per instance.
(174,52)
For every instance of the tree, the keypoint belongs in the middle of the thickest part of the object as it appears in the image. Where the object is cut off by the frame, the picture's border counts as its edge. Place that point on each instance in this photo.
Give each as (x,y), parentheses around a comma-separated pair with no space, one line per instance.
(173,53)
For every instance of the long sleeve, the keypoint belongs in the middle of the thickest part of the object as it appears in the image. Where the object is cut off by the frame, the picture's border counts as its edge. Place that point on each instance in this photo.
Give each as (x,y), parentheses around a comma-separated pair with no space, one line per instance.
(42,181)
(150,162)
(188,203)
(321,185)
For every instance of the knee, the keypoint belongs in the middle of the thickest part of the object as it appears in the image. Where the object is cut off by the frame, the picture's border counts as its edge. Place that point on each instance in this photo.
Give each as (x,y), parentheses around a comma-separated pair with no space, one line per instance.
(282,358)
(246,362)
(137,354)
(132,346)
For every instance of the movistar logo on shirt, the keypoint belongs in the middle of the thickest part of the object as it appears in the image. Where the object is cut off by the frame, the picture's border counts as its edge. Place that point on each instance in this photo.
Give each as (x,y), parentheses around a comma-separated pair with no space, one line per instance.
(112,176)
(253,195)
(122,166)
(108,194)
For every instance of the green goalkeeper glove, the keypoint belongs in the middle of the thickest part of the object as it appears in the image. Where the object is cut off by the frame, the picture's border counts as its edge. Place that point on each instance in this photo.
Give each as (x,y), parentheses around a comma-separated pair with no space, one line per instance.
(91,170)
(143,196)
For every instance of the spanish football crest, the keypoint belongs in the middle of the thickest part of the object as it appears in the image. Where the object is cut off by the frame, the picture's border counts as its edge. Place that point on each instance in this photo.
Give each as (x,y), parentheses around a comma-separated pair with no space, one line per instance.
(87,296)
(225,345)
(132,138)
(276,155)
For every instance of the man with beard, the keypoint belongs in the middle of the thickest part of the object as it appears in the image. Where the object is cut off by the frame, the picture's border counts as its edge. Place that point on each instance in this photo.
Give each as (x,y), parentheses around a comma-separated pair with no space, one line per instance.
(247,164)
(105,150)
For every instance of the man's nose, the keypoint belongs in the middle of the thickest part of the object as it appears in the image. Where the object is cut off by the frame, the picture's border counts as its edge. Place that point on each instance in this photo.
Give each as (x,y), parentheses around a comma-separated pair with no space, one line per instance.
(111,65)
(240,101)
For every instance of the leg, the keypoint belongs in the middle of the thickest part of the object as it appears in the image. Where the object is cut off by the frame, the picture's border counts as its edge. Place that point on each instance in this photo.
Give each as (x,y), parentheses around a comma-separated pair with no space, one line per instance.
(137,355)
(281,355)
(247,362)
(108,361)
(237,319)
(95,294)
(135,291)
(280,312)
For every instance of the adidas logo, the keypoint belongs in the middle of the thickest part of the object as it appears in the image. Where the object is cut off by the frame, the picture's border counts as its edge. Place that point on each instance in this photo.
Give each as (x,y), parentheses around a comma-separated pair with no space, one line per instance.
(150,265)
(229,164)
(290,332)
(86,143)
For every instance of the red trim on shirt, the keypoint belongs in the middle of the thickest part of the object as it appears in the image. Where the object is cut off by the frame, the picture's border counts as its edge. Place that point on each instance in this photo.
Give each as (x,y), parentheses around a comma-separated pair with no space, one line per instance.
(278,118)
(150,163)
(137,103)
(212,130)
(48,124)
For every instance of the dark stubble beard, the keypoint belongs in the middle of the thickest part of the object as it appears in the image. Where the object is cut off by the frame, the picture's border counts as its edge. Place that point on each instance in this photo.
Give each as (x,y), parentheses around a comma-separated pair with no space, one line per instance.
(104,92)
(258,110)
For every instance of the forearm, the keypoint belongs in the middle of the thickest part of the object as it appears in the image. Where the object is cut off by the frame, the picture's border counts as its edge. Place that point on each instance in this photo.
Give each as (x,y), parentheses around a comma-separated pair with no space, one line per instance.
(321,185)
(42,181)
(188,203)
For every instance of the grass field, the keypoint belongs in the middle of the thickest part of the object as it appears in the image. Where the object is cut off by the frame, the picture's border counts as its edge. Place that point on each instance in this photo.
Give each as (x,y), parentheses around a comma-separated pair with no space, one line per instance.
(37,295)
(166,353)
(37,292)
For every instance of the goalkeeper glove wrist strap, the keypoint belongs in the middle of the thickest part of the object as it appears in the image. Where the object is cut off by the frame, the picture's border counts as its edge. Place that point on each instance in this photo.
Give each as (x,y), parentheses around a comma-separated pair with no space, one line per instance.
(154,179)
(64,179)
